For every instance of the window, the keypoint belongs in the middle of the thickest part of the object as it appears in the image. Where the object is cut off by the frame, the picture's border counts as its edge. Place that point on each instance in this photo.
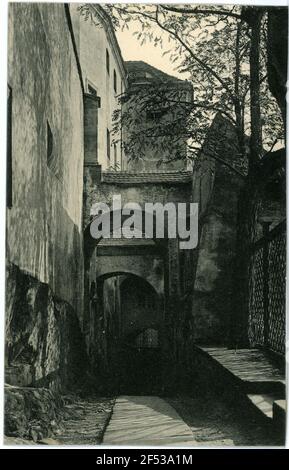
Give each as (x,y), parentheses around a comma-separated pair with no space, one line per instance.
(9,148)
(91,90)
(107,61)
(147,339)
(115,81)
(155,114)
(108,143)
(49,148)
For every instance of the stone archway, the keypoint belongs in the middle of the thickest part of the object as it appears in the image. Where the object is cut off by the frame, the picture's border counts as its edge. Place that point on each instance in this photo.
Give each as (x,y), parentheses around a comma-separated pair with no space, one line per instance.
(157,263)
(146,261)
(125,307)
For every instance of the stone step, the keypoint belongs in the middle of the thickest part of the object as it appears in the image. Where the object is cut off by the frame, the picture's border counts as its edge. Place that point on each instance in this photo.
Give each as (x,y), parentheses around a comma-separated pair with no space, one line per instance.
(270,406)
(264,402)
(279,414)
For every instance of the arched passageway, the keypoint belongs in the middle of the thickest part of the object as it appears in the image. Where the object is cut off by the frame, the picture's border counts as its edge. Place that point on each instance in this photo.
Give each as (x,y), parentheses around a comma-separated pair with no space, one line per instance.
(141,338)
(125,342)
(156,261)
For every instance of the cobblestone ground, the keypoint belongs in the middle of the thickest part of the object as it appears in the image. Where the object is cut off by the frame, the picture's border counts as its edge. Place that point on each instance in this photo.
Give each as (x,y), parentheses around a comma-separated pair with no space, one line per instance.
(215,423)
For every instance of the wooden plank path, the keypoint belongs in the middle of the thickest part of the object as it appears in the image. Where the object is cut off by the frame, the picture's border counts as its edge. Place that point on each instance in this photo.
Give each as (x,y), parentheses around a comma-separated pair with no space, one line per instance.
(256,373)
(148,421)
(249,365)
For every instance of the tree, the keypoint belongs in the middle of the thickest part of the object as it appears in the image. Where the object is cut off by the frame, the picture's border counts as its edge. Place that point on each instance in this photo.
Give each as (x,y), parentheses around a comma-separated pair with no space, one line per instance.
(217,47)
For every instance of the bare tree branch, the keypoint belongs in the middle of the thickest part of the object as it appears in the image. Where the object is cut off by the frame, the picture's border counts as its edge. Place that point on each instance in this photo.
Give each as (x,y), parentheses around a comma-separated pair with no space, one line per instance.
(193,56)
(201,11)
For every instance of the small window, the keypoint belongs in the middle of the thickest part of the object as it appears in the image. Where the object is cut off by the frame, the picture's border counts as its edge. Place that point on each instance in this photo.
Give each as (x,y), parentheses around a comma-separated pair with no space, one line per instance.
(107,62)
(91,90)
(115,154)
(9,149)
(108,143)
(155,114)
(49,145)
(147,339)
(115,81)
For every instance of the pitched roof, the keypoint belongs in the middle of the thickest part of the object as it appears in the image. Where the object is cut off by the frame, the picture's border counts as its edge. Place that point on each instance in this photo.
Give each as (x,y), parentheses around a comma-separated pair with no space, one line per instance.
(164,177)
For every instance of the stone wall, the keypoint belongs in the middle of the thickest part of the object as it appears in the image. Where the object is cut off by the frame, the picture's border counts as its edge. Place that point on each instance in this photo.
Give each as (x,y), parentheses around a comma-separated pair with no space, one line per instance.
(44,344)
(146,267)
(31,413)
(216,188)
(142,193)
(93,39)
(44,223)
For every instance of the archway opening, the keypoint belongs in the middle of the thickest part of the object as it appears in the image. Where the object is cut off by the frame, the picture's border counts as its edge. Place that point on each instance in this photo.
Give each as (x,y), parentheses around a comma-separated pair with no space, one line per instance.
(125,340)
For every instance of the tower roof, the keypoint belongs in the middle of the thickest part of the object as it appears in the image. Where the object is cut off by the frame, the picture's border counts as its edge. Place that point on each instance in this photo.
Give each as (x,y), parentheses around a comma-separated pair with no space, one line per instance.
(139,70)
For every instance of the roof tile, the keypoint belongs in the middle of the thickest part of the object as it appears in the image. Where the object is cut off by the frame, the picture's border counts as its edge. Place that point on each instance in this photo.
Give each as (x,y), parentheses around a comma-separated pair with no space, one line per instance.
(165,177)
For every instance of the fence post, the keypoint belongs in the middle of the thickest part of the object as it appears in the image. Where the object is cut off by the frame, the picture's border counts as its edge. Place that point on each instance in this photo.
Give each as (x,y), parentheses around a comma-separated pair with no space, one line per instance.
(266,226)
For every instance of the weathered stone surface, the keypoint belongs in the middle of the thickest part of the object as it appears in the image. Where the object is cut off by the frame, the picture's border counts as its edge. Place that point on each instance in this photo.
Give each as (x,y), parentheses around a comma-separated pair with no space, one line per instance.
(44,237)
(44,345)
(19,374)
(214,185)
(31,413)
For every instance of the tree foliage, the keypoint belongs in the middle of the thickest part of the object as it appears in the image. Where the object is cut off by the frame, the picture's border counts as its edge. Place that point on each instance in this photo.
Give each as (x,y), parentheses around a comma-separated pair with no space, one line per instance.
(212,44)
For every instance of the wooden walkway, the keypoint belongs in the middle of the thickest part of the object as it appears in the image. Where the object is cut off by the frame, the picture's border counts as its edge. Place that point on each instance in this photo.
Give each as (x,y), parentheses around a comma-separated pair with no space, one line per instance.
(146,421)
(258,374)
(249,365)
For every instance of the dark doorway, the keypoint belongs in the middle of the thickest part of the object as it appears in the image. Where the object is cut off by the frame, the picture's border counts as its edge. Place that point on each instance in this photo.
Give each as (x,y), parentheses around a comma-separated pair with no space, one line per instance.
(125,338)
(140,342)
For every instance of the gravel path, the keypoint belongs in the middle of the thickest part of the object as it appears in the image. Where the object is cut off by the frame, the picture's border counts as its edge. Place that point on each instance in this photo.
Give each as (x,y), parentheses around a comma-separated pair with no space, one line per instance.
(85,421)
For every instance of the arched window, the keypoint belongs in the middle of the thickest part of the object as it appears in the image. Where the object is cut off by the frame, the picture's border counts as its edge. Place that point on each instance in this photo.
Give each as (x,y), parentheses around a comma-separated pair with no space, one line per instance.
(107,62)
(114,81)
(148,338)
(49,145)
